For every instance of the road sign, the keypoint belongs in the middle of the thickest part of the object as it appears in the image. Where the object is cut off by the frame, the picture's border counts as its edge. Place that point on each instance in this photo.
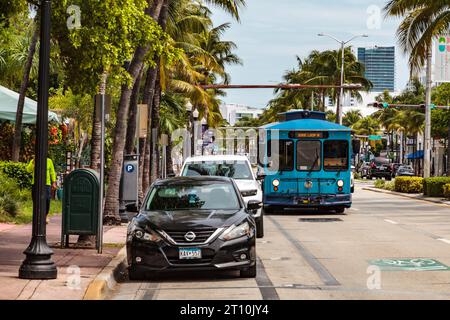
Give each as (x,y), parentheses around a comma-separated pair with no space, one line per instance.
(409,264)
(373,137)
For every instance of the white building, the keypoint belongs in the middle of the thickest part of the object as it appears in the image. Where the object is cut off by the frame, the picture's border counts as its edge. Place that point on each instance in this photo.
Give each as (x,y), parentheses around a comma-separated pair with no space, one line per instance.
(234,112)
(351,103)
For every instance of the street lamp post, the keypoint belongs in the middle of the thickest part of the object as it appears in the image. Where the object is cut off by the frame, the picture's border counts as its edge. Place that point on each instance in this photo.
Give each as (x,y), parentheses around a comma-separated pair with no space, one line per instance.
(38,263)
(195,115)
(343,43)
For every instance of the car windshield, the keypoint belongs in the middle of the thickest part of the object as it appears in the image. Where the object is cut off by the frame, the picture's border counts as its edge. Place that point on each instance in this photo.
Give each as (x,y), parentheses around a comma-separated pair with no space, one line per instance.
(405,168)
(239,169)
(186,196)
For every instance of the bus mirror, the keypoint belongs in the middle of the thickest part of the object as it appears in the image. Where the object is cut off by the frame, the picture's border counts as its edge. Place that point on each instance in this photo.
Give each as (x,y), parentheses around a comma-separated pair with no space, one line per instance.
(356,146)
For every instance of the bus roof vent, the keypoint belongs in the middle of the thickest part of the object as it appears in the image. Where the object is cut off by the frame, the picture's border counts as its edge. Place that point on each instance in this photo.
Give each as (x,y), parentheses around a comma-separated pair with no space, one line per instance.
(301,114)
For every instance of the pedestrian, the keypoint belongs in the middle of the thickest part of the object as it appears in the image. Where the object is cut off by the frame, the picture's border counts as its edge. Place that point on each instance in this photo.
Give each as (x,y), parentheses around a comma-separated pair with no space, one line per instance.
(50,183)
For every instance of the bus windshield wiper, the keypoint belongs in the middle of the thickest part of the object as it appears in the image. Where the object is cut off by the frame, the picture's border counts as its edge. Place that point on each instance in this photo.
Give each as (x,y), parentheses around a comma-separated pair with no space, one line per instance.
(314,163)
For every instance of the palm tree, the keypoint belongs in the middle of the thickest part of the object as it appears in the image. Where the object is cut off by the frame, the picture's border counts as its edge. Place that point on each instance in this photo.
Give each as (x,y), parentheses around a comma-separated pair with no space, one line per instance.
(351,117)
(367,126)
(319,68)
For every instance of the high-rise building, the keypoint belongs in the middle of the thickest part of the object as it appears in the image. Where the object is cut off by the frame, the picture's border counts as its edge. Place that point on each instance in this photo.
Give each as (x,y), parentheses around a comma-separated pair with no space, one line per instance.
(379,65)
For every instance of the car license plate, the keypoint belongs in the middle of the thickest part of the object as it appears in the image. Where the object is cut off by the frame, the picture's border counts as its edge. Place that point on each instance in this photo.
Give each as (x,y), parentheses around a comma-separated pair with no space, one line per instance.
(190,253)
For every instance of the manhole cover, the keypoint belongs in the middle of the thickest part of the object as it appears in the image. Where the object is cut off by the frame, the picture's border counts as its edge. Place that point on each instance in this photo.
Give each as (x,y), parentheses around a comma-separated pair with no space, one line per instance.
(319,219)
(410,264)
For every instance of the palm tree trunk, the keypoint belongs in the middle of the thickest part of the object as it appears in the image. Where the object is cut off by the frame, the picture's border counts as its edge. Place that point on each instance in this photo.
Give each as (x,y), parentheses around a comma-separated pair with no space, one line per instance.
(155,153)
(23,89)
(132,117)
(111,212)
(149,92)
(96,128)
(169,159)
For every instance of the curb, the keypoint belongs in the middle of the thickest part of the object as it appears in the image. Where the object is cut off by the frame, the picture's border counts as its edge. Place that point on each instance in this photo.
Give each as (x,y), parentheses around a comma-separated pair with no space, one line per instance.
(406,195)
(105,281)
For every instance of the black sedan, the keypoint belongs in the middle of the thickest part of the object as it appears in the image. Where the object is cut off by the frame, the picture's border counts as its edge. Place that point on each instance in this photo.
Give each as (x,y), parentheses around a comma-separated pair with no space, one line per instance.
(192,223)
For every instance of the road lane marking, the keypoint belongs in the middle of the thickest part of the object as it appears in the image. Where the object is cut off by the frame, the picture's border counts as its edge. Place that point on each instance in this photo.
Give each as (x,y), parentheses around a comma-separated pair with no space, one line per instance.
(355,209)
(390,221)
(268,291)
(326,277)
(444,240)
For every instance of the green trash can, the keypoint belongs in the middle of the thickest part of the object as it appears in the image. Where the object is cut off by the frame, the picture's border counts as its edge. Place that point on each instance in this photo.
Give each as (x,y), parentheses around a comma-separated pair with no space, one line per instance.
(80,212)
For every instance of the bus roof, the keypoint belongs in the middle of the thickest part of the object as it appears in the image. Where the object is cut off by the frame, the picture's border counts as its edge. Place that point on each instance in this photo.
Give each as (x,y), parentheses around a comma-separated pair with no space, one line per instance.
(307,125)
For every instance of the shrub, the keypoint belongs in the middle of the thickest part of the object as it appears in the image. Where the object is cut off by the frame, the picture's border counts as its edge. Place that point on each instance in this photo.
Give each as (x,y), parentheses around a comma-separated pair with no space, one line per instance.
(434,187)
(447,191)
(408,184)
(389,185)
(379,184)
(17,171)
(10,196)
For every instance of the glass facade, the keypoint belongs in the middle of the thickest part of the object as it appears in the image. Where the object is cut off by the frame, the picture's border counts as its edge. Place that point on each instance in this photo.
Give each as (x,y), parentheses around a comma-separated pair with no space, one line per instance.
(380,67)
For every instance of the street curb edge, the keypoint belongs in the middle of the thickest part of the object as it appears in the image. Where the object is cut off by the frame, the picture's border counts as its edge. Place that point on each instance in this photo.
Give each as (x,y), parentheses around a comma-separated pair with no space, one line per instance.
(405,195)
(107,278)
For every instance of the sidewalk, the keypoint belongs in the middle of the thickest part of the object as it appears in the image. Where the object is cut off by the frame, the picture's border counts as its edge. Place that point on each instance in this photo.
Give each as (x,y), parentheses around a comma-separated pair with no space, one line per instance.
(77,268)
(416,196)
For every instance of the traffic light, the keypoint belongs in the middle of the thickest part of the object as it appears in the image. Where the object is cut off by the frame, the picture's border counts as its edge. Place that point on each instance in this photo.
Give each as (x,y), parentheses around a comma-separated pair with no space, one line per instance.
(433,106)
(385,105)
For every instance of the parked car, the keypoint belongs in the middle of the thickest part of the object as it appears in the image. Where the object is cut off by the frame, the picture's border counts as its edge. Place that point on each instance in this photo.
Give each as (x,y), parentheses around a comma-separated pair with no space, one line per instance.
(193,223)
(231,166)
(403,171)
(379,169)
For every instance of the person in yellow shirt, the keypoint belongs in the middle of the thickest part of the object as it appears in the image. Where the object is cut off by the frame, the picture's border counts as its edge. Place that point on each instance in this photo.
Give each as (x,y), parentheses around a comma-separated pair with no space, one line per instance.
(51,182)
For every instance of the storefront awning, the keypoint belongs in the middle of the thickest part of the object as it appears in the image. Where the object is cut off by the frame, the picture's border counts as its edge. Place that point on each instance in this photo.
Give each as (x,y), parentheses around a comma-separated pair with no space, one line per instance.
(416,155)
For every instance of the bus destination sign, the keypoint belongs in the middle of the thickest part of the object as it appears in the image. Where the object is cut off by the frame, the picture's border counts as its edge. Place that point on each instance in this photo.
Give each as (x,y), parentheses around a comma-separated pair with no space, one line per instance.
(308,135)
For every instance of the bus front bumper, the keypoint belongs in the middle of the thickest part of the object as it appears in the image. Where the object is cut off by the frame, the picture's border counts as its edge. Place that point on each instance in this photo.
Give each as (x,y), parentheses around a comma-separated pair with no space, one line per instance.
(308,201)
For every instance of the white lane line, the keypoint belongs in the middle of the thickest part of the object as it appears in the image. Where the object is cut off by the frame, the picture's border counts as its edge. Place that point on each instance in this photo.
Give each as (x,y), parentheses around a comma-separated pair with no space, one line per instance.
(444,240)
(356,209)
(390,221)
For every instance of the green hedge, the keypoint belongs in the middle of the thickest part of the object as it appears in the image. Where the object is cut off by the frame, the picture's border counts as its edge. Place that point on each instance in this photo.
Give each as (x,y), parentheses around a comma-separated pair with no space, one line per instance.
(17,171)
(447,191)
(434,187)
(408,184)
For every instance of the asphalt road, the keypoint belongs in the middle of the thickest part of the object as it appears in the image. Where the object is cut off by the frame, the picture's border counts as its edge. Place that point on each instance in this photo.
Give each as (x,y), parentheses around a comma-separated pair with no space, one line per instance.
(384,247)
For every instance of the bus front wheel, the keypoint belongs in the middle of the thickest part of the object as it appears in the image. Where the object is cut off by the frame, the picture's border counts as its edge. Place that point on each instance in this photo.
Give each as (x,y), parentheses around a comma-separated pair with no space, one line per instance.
(339,209)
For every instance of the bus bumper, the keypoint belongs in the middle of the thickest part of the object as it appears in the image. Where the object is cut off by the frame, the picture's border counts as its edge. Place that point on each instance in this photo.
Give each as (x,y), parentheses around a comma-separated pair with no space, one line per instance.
(308,201)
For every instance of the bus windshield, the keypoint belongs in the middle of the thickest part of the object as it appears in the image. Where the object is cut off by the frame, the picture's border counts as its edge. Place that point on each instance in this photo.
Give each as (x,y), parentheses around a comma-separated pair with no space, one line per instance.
(335,155)
(308,155)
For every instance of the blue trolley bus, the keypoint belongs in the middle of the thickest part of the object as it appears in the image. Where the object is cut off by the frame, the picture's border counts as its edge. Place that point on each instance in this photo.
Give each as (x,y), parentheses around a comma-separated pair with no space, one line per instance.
(306,162)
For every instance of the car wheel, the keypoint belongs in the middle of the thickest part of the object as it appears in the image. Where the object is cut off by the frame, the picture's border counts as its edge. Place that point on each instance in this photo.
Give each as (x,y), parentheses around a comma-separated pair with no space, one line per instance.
(339,210)
(249,272)
(260,226)
(135,274)
(352,189)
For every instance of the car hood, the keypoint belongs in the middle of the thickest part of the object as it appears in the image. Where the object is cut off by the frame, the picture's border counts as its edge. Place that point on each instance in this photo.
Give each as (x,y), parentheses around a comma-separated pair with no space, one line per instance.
(244,185)
(189,219)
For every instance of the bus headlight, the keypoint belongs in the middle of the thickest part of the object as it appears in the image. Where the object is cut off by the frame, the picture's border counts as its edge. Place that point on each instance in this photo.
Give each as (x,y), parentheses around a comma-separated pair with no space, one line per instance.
(340,183)
(276,183)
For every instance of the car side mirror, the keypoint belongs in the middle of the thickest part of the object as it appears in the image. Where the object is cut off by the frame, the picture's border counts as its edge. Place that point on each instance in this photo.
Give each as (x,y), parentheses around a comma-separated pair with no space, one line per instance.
(356,146)
(131,207)
(253,205)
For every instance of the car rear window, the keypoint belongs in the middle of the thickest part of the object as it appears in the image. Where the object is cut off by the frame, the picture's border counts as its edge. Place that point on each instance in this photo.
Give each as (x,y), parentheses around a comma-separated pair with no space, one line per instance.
(238,169)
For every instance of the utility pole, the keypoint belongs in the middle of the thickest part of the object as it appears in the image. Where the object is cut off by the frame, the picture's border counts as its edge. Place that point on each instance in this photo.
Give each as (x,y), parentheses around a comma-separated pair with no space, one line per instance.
(38,263)
(341,95)
(427,135)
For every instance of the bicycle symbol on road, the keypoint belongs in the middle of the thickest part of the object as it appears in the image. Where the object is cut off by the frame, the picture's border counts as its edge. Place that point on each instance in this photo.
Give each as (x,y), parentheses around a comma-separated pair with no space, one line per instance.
(411,264)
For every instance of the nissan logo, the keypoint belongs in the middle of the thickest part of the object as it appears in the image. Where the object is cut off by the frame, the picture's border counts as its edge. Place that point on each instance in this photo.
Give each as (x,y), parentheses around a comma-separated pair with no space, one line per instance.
(190,236)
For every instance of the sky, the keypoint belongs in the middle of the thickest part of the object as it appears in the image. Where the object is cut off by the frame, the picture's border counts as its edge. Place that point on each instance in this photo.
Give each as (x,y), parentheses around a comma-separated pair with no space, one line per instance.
(273,32)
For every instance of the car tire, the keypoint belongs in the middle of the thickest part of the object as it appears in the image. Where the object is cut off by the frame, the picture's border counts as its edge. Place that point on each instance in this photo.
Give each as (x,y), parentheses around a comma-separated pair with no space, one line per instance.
(352,189)
(249,272)
(260,226)
(135,274)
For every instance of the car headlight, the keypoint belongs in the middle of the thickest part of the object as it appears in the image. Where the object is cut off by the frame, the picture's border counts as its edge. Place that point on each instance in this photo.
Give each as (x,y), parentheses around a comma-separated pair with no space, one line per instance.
(249,193)
(235,232)
(340,183)
(276,183)
(147,236)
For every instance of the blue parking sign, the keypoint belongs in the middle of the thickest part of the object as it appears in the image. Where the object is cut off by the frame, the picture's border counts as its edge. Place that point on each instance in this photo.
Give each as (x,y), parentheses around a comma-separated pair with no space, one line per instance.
(129,168)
